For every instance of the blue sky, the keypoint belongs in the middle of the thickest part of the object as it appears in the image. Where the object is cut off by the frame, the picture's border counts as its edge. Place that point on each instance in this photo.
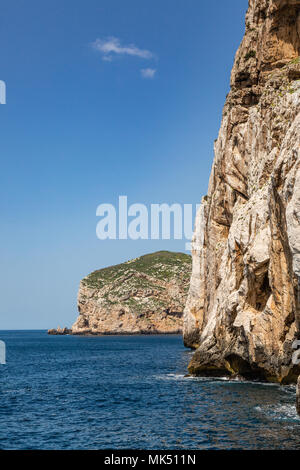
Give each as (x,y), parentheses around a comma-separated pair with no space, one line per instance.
(83,124)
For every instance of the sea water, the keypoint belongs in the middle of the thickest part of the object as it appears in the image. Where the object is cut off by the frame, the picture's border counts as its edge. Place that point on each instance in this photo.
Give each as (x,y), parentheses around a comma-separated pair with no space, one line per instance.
(130,392)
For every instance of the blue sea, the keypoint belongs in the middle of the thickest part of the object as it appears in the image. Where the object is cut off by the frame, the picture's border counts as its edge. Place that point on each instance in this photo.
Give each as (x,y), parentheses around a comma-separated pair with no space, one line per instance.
(130,392)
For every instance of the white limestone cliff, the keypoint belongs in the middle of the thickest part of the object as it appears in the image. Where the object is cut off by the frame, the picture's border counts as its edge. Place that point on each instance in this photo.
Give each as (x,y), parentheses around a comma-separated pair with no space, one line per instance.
(242,313)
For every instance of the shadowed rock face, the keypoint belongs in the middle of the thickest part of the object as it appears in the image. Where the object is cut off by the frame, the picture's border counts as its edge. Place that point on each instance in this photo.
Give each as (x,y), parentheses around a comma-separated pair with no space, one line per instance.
(145,295)
(242,313)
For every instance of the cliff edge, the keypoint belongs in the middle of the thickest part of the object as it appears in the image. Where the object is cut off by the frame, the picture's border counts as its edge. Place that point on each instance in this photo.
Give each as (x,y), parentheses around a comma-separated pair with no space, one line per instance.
(142,296)
(243,309)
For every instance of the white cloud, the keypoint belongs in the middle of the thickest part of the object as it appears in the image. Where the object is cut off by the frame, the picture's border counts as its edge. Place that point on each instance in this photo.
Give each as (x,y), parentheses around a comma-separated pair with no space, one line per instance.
(148,73)
(112,45)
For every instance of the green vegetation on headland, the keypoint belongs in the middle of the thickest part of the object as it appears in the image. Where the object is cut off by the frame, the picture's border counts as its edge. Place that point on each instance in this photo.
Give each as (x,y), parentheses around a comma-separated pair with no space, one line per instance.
(145,295)
(164,265)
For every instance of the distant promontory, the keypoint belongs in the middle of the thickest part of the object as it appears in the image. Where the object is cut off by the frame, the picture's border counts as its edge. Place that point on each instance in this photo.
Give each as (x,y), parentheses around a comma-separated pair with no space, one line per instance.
(146,295)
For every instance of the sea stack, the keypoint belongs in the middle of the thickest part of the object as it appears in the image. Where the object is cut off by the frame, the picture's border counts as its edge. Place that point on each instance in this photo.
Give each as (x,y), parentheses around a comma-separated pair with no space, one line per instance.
(243,310)
(146,295)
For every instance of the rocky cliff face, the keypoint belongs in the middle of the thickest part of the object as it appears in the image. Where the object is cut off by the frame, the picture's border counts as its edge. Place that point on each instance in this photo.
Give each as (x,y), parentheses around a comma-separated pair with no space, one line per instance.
(243,308)
(146,295)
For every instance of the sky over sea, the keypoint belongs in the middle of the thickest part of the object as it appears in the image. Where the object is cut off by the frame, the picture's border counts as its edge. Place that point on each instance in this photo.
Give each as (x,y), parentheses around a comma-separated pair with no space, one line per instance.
(104,98)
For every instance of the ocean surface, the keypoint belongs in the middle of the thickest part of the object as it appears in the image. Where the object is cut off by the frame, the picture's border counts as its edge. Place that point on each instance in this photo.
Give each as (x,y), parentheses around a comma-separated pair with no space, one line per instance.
(68,392)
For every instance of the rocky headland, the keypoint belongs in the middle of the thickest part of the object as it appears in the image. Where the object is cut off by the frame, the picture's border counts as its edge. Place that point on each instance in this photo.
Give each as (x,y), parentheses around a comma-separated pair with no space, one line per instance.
(146,295)
(243,309)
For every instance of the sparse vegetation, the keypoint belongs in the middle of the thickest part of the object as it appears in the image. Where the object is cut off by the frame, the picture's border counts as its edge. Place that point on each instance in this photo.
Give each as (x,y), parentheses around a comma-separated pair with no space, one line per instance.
(250,54)
(162,265)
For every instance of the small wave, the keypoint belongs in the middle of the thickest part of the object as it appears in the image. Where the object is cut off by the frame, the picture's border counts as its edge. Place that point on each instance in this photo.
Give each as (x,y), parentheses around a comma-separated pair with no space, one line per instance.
(226,379)
(178,377)
(194,378)
(289,389)
(284,412)
(170,377)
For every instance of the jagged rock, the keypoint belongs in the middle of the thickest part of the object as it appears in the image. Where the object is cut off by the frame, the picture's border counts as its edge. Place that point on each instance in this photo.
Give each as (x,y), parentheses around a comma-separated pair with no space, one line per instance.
(60,331)
(242,313)
(143,296)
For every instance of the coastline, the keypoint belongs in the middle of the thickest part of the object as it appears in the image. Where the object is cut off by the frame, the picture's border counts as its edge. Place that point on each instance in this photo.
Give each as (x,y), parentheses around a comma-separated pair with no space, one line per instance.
(114,333)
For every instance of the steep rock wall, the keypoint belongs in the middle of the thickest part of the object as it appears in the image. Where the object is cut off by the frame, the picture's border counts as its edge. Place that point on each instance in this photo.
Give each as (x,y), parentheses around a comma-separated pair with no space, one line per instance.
(243,312)
(142,296)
